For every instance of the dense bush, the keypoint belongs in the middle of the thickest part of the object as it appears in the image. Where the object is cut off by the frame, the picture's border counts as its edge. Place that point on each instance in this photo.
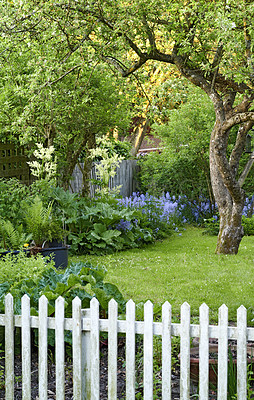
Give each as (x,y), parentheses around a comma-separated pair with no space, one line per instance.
(12,192)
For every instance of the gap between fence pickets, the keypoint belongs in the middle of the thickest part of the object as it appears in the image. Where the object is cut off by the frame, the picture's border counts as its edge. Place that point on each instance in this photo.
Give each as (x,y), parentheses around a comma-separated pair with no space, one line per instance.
(86,325)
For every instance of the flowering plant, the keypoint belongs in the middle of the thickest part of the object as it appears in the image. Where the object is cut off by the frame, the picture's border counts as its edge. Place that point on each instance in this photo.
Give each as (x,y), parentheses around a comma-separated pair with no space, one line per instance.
(105,168)
(45,165)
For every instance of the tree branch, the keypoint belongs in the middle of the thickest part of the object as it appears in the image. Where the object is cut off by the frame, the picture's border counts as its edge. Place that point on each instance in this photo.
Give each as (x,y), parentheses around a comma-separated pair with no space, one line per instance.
(236,119)
(246,170)
(239,146)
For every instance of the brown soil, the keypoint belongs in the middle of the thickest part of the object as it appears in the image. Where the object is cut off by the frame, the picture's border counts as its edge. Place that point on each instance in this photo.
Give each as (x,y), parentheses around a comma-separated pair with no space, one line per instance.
(103,375)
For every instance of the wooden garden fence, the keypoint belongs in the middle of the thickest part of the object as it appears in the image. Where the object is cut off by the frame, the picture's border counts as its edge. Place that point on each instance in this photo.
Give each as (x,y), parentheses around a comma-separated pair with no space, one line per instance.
(86,327)
(125,178)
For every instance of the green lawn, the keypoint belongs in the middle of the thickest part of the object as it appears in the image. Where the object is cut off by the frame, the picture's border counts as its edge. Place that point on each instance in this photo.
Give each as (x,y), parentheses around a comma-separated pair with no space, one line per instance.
(184,268)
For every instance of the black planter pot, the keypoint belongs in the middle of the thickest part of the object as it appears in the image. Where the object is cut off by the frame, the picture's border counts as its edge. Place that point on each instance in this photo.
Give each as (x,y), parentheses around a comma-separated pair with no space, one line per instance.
(59,255)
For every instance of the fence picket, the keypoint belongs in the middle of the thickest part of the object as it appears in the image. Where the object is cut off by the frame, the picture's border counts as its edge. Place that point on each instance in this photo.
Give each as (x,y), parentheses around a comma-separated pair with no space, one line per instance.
(95,351)
(59,335)
(43,348)
(185,353)
(204,352)
(112,350)
(26,348)
(148,351)
(130,350)
(242,353)
(76,347)
(223,353)
(9,348)
(86,358)
(166,351)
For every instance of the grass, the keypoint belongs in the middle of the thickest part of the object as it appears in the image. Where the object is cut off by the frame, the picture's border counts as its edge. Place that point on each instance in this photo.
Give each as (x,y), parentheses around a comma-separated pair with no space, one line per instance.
(184,268)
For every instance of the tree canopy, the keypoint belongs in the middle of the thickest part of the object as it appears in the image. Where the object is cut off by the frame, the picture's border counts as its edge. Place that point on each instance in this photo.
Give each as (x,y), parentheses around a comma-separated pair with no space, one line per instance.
(208,42)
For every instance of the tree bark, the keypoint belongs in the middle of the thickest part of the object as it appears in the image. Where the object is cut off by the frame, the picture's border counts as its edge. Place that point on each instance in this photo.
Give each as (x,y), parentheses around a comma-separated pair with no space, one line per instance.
(228,195)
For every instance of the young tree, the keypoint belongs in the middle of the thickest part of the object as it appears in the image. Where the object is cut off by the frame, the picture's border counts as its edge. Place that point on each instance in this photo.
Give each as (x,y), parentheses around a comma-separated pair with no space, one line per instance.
(44,99)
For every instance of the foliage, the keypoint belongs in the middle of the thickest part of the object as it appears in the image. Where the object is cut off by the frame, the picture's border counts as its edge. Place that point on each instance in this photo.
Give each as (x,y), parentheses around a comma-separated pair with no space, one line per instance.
(182,168)
(11,237)
(32,98)
(79,279)
(97,226)
(12,192)
(212,225)
(40,222)
(248,225)
(15,268)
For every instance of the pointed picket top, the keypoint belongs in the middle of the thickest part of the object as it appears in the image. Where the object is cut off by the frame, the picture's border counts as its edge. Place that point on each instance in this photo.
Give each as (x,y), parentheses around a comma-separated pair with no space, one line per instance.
(241,309)
(223,313)
(43,301)
(60,300)
(185,306)
(8,301)
(94,302)
(25,300)
(9,296)
(223,308)
(148,305)
(166,305)
(112,303)
(130,305)
(25,308)
(76,302)
(204,307)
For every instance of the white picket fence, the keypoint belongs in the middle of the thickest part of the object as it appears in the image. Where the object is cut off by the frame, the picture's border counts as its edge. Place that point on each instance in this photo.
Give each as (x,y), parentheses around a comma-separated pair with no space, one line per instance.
(86,327)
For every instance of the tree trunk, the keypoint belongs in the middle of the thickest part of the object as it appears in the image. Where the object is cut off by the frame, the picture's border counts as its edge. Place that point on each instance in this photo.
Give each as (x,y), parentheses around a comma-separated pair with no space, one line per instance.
(228,195)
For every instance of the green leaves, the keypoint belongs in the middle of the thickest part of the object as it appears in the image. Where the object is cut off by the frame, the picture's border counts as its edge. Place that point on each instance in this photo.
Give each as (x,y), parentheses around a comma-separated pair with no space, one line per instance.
(69,283)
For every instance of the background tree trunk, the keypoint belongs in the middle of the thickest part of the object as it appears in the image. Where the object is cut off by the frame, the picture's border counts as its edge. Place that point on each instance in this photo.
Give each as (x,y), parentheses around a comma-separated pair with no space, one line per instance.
(229,204)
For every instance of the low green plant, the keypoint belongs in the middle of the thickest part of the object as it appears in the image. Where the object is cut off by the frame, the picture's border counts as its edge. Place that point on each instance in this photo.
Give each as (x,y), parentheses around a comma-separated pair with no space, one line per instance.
(97,226)
(79,279)
(13,238)
(16,268)
(212,226)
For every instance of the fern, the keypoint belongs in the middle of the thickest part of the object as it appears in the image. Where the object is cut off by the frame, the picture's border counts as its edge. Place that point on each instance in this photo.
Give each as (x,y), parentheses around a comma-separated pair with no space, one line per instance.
(13,238)
(40,222)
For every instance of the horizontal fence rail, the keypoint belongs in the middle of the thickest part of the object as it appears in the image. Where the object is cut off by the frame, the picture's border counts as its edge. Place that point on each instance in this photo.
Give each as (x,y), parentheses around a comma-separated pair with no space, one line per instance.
(86,325)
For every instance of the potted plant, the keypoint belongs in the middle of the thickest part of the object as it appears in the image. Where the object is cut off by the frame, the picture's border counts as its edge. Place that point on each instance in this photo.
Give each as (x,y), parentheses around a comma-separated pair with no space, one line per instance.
(46,232)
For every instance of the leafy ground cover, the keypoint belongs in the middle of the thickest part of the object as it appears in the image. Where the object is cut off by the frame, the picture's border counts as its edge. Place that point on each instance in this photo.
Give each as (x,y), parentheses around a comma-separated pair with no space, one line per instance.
(184,268)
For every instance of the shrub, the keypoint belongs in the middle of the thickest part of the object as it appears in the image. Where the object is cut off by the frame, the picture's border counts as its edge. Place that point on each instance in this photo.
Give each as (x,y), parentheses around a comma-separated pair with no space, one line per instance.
(248,225)
(12,192)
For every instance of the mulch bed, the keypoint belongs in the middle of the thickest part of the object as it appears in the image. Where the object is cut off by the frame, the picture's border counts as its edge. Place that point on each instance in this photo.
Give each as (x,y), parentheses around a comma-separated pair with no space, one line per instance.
(103,375)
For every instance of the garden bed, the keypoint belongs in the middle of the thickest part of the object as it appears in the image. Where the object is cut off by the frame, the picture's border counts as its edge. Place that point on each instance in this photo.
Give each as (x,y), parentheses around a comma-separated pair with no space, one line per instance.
(103,378)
